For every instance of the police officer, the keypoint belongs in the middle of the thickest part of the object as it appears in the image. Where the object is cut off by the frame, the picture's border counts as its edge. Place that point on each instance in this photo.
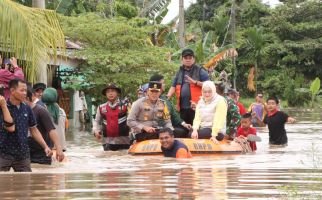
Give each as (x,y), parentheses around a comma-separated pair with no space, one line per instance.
(110,120)
(149,114)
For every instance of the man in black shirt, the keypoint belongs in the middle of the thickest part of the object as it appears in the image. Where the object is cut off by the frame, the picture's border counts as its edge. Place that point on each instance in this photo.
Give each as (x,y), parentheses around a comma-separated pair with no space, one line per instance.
(187,85)
(46,127)
(275,120)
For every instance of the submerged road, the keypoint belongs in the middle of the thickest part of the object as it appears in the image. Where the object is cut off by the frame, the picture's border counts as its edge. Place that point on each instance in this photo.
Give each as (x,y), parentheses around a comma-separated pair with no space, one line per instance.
(271,173)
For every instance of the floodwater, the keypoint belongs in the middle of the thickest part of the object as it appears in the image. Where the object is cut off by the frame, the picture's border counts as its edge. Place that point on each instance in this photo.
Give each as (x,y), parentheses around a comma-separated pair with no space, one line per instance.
(291,172)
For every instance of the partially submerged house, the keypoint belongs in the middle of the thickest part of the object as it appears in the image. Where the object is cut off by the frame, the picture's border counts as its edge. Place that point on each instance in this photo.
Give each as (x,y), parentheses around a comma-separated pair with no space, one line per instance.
(62,73)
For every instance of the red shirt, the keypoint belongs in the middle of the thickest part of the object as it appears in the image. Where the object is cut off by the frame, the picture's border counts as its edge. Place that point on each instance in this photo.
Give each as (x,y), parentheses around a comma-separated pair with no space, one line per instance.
(243,132)
(241,107)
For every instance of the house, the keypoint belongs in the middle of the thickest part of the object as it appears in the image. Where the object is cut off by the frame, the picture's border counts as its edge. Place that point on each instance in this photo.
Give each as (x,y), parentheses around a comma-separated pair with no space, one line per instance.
(63,74)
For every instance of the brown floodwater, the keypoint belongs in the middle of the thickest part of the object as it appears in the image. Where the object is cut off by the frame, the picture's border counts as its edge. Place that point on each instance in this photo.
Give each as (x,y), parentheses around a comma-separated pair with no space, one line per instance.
(291,172)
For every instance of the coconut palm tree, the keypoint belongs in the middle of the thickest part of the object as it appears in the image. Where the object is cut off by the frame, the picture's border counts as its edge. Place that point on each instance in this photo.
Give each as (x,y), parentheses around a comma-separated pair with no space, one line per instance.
(181,28)
(31,34)
(255,42)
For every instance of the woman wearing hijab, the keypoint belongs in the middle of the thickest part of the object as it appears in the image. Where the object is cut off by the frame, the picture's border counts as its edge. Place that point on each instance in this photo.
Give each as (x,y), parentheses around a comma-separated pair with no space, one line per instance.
(50,97)
(210,117)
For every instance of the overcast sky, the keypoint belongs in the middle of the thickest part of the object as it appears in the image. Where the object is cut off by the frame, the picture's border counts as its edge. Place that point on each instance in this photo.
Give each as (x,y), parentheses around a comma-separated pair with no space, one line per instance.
(174,8)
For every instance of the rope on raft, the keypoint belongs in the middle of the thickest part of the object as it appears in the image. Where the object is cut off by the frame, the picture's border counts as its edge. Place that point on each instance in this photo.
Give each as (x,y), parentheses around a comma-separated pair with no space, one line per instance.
(244,144)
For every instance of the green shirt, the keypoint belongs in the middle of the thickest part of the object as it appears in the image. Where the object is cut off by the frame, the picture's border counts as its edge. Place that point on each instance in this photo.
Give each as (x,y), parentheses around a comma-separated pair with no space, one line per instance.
(174,115)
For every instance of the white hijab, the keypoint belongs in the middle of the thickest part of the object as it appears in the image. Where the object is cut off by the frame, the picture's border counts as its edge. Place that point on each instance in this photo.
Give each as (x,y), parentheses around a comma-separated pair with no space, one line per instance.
(211,85)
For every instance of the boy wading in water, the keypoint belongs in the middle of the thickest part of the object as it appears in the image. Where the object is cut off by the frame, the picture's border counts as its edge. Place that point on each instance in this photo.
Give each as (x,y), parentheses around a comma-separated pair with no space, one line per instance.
(248,132)
(276,122)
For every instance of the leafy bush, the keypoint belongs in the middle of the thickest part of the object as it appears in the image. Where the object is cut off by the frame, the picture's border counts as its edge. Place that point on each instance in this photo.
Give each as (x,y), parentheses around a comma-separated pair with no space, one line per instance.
(273,82)
(297,96)
(125,9)
(285,84)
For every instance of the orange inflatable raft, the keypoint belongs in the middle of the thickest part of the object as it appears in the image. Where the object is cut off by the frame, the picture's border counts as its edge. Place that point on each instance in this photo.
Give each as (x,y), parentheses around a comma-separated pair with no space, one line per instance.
(196,147)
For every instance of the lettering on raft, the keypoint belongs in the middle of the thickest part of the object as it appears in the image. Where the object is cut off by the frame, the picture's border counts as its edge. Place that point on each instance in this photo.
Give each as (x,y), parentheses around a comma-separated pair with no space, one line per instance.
(150,147)
(202,146)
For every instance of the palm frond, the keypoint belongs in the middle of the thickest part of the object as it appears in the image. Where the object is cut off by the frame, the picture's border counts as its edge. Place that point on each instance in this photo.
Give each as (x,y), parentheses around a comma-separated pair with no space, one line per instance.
(255,38)
(30,34)
(154,8)
(220,55)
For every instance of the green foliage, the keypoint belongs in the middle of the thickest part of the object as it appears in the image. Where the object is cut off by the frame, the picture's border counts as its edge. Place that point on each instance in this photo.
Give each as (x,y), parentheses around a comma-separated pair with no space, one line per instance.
(315,86)
(273,82)
(285,84)
(298,29)
(296,96)
(194,12)
(117,51)
(295,92)
(255,44)
(284,43)
(277,41)
(125,9)
(106,8)
(24,2)
(314,89)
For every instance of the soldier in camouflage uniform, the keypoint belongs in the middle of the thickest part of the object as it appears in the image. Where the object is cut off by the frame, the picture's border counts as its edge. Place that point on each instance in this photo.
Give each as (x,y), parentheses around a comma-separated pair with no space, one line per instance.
(233,116)
(149,114)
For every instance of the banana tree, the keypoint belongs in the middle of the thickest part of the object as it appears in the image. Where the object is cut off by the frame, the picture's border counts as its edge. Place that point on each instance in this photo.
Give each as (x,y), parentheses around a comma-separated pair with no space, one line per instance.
(315,89)
(31,34)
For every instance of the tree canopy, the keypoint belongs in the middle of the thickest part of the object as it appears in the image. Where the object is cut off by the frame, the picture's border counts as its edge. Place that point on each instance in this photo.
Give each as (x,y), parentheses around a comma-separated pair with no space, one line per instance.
(284,43)
(117,50)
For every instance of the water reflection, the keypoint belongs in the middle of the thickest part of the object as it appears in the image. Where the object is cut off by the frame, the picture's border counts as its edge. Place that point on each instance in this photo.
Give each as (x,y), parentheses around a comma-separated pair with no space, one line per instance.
(94,174)
(186,183)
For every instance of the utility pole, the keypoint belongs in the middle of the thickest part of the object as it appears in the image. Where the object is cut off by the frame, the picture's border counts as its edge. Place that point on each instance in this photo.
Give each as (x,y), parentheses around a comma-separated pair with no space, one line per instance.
(39,4)
(233,40)
(181,27)
(42,75)
(204,7)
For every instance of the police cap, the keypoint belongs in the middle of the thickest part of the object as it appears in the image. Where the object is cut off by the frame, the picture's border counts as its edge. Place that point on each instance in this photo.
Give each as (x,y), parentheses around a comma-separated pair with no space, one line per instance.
(155,86)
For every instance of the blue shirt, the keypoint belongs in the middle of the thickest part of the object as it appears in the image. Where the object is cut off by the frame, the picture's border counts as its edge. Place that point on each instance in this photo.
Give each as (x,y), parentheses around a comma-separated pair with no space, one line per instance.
(172,152)
(15,145)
